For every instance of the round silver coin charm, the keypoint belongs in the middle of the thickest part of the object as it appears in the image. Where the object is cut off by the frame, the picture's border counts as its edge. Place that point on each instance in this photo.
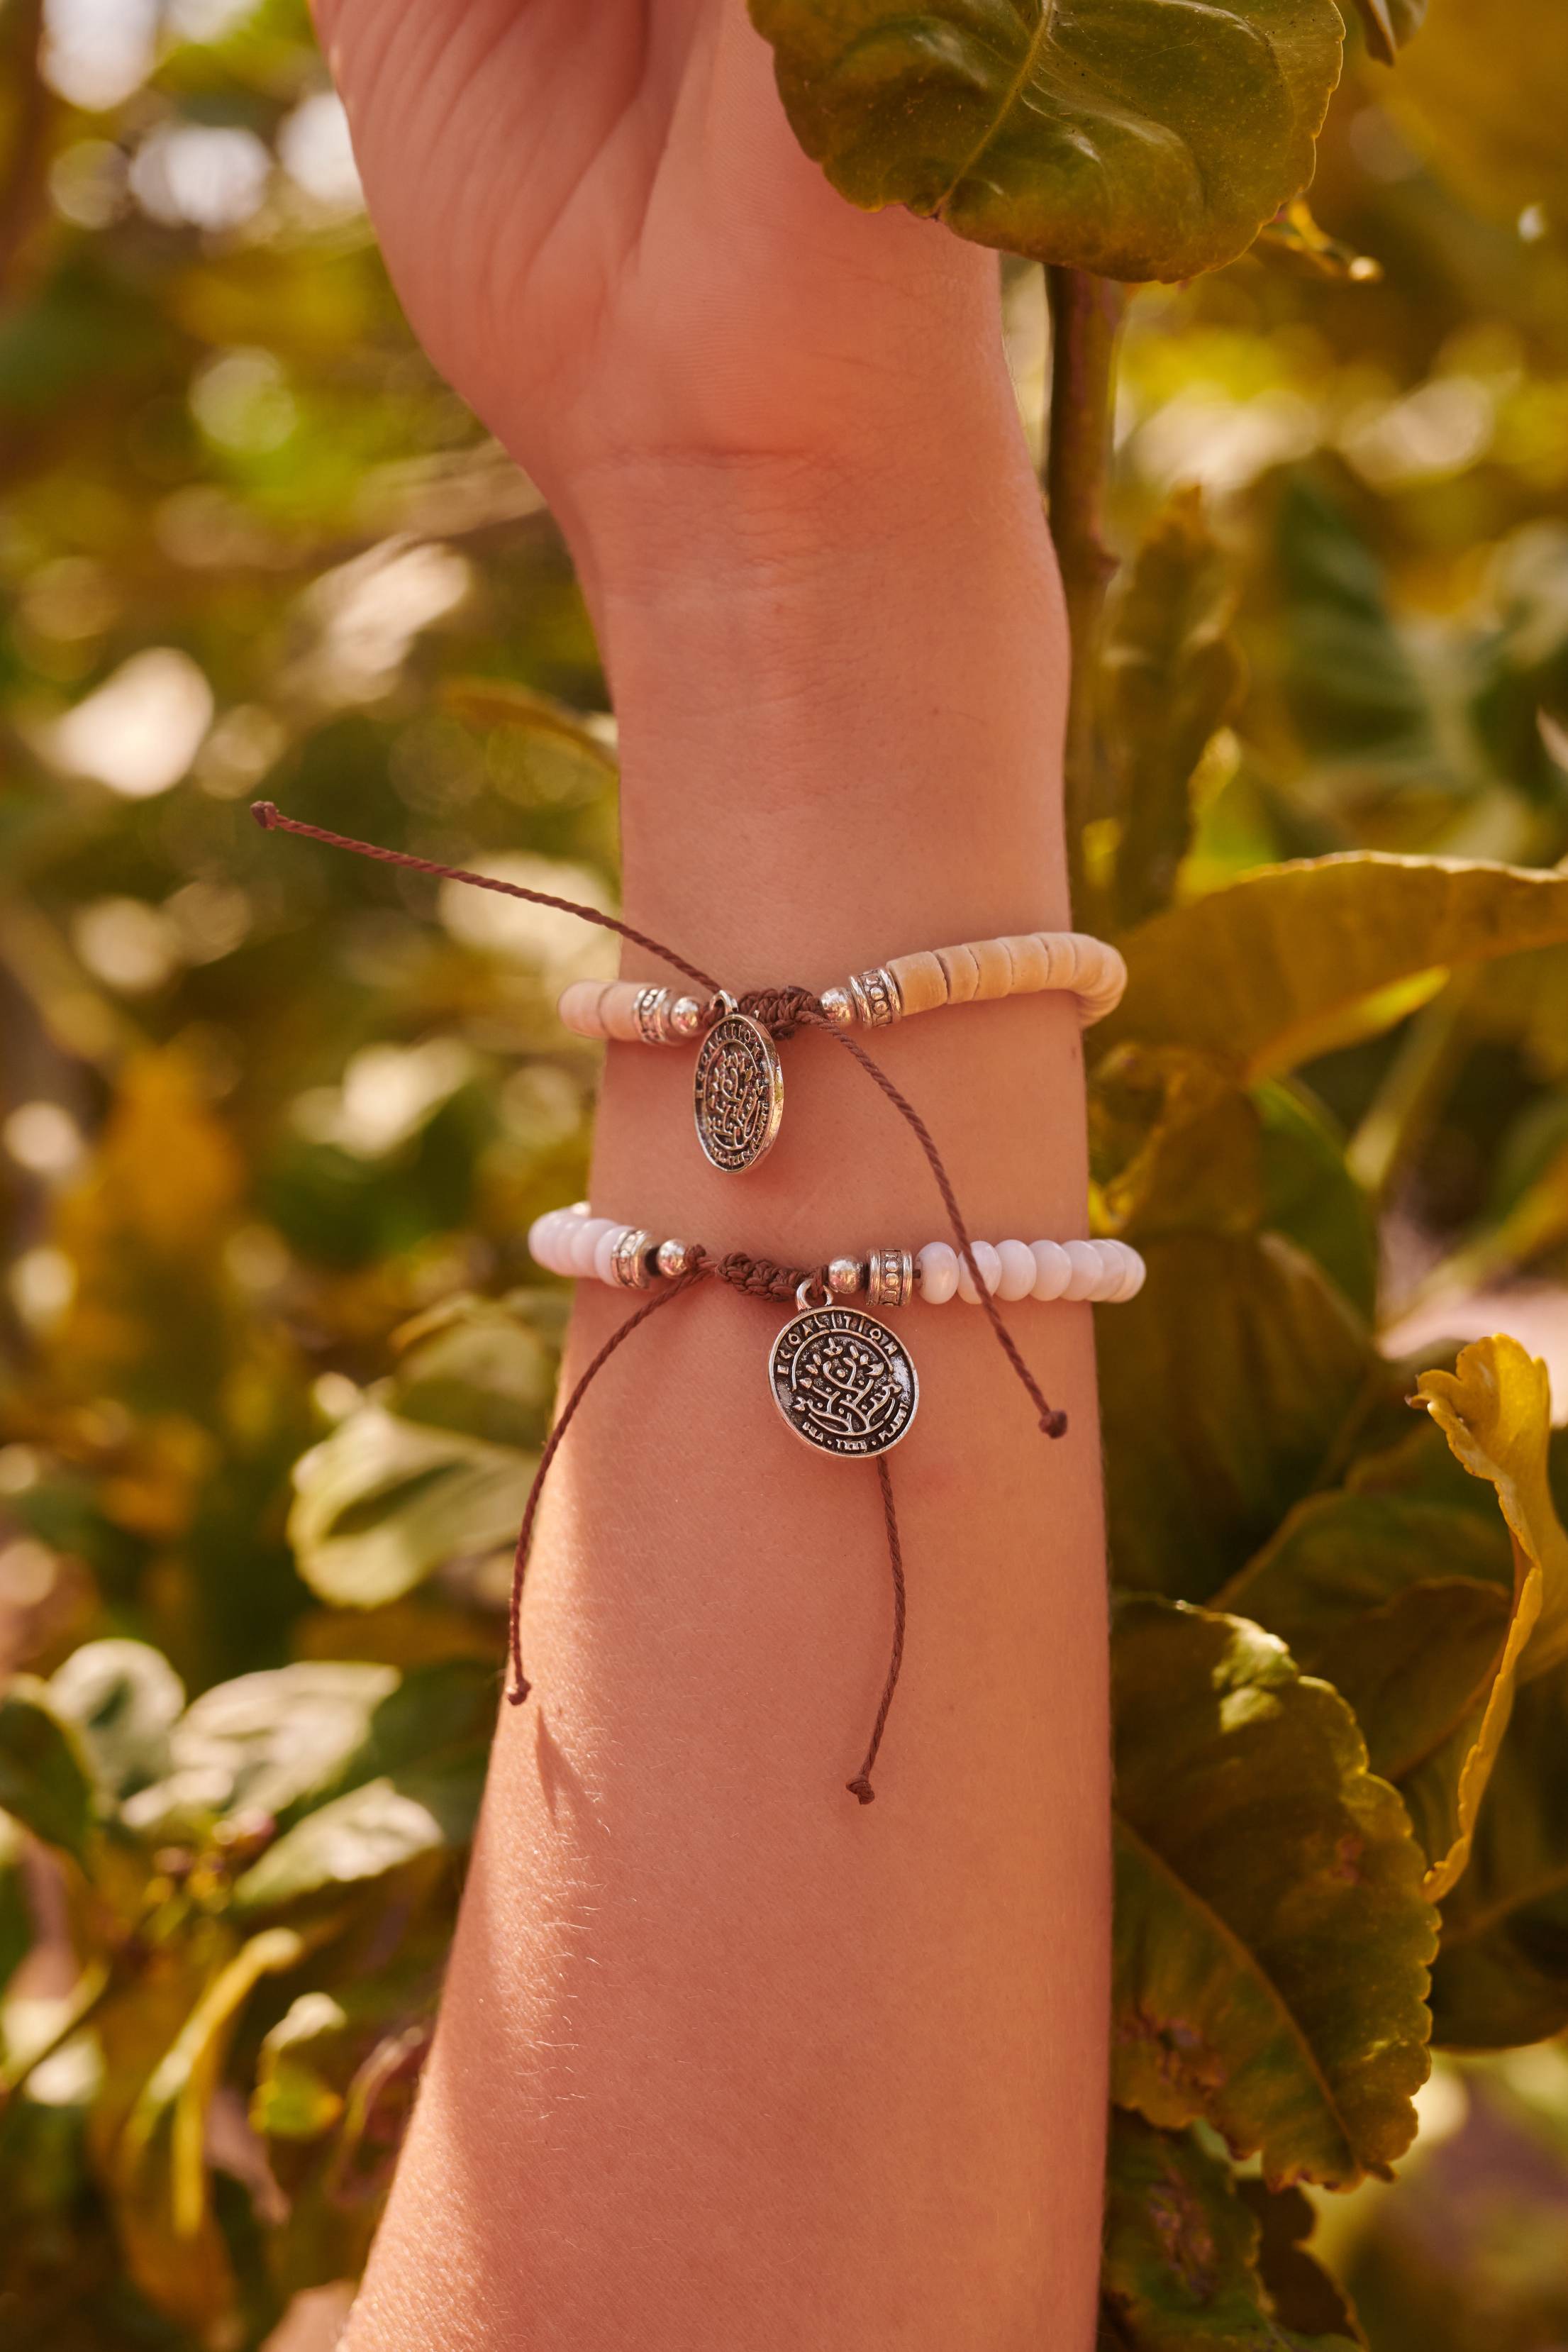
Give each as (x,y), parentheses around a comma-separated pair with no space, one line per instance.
(843,1381)
(737,1094)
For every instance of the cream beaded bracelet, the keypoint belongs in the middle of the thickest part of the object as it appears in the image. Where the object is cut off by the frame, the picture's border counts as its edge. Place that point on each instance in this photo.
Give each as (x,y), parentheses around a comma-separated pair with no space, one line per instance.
(572,1243)
(739,1086)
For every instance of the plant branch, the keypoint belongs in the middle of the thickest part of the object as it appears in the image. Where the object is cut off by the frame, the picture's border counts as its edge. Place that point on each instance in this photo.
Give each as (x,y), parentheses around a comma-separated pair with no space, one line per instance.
(1085,314)
(22,184)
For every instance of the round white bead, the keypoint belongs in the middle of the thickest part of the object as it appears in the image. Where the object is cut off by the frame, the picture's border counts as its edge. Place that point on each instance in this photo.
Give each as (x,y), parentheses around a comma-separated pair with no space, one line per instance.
(604,1252)
(1087,1271)
(1017,1260)
(991,1267)
(938,1266)
(540,1237)
(1053,1269)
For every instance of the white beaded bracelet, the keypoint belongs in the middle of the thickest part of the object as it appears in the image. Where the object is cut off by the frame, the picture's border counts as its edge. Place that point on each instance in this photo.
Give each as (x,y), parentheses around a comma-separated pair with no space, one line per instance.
(574,1243)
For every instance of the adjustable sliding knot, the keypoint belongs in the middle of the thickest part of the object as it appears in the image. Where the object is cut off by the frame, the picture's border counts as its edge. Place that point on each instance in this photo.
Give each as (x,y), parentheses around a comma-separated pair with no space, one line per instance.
(762,1277)
(781,1011)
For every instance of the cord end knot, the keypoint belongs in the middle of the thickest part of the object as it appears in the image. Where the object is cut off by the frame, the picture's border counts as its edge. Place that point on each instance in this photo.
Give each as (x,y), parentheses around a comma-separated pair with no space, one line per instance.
(1055,1424)
(863,1789)
(265,813)
(518,1693)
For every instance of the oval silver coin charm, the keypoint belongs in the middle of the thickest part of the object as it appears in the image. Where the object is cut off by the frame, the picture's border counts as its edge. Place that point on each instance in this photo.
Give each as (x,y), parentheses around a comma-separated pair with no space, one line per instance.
(737,1093)
(842,1381)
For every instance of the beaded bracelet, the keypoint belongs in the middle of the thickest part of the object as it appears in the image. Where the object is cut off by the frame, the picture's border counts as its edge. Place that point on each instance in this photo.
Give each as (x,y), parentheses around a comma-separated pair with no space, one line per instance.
(572,1243)
(739,1086)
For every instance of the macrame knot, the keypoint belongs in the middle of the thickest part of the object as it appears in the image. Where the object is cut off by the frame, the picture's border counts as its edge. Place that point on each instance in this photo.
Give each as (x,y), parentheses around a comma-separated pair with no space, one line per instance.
(781,1011)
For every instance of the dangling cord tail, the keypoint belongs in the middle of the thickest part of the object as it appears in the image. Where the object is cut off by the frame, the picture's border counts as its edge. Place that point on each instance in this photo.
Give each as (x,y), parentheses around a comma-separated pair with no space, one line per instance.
(861,1785)
(521,1684)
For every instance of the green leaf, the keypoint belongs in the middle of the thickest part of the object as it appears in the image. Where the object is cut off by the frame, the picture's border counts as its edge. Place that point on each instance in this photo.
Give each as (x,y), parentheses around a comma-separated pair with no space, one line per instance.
(265,1742)
(1501,1974)
(1132,144)
(1181,2252)
(124,1698)
(162,2192)
(1310,1194)
(292,2100)
(1229,1388)
(1175,1146)
(45,1782)
(1295,959)
(434,1467)
(1271,1937)
(356,1838)
(1172,675)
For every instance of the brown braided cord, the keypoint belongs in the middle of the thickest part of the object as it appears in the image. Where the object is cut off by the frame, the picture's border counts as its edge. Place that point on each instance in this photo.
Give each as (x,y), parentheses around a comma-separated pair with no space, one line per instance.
(271,820)
(1051,1420)
(520,1685)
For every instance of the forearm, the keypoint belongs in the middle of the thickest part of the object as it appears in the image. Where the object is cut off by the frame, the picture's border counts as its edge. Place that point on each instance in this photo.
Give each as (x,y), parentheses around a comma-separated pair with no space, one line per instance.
(726,2061)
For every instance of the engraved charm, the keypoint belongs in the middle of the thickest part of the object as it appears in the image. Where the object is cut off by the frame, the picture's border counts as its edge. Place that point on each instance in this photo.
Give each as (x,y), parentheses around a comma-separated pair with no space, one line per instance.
(738,1092)
(843,1381)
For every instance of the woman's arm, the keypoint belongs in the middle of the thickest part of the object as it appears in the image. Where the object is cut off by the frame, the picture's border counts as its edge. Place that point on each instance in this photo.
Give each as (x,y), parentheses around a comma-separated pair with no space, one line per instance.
(726,2060)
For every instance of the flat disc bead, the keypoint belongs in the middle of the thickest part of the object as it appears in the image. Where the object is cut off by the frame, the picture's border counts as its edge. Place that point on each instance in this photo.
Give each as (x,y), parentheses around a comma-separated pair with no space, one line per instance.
(1017,1260)
(1132,1272)
(604,1252)
(1052,1270)
(938,1266)
(581,1243)
(991,1267)
(1087,1270)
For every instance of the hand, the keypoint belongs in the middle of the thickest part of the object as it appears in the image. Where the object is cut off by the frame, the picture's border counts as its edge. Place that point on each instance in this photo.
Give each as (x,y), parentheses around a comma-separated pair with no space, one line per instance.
(606,237)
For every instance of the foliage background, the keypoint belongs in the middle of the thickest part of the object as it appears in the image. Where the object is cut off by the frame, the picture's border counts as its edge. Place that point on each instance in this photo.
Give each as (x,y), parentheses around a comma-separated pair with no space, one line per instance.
(275,1123)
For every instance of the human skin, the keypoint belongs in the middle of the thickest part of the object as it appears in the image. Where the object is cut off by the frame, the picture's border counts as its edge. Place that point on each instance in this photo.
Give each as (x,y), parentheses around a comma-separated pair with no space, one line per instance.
(726,2060)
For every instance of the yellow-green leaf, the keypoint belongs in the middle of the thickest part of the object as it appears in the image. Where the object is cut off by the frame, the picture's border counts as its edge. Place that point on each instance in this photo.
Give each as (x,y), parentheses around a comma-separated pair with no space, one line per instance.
(1494,1409)
(1293,960)
(1133,140)
(162,2193)
(1272,1939)
(1180,2272)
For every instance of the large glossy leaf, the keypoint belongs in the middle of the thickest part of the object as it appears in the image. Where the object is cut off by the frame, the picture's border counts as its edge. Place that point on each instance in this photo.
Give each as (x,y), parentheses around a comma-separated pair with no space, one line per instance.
(162,2194)
(1293,960)
(359,1837)
(1227,1390)
(1133,140)
(1180,2269)
(45,1780)
(1272,1941)
(1310,1194)
(265,1742)
(434,1467)
(1172,675)
(124,1698)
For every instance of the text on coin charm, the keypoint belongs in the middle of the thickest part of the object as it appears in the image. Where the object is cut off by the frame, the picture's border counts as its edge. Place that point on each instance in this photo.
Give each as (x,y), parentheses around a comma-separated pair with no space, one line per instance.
(842,1381)
(737,1094)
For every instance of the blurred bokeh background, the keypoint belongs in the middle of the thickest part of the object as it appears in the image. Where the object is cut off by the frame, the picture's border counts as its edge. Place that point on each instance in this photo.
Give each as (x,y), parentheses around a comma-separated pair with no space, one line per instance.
(271,1120)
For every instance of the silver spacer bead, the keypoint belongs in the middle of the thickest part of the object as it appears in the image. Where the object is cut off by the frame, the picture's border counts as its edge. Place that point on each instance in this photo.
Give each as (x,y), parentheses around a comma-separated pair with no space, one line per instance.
(839,1006)
(674,1258)
(889,1278)
(845,1276)
(629,1259)
(647,1008)
(685,1017)
(876,998)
